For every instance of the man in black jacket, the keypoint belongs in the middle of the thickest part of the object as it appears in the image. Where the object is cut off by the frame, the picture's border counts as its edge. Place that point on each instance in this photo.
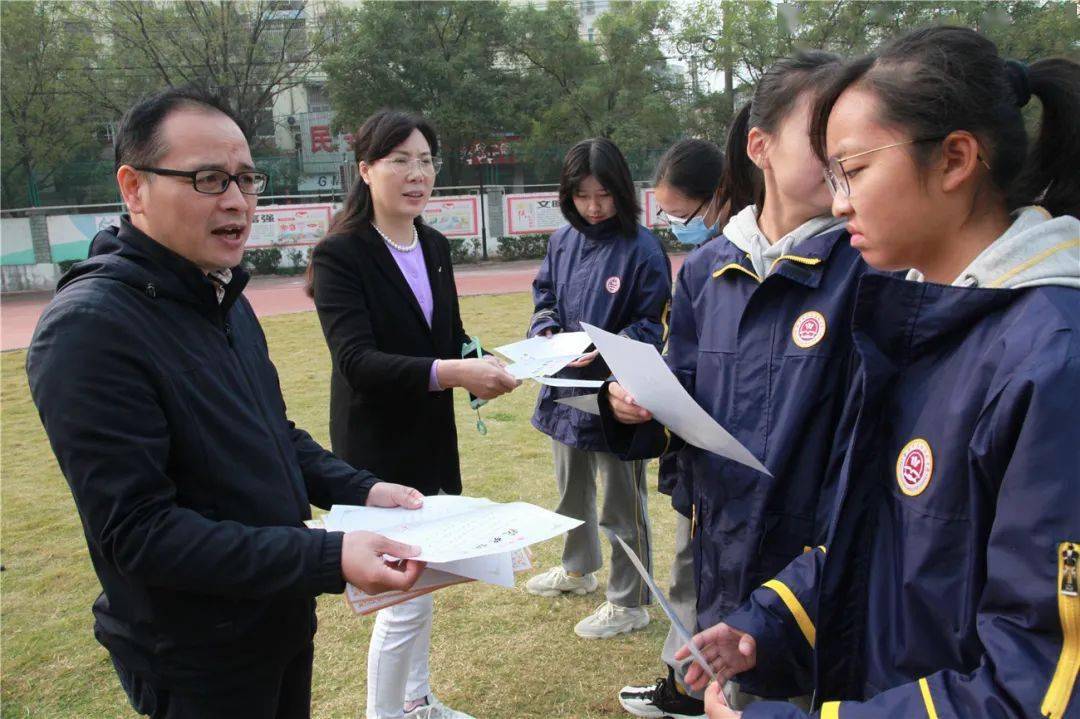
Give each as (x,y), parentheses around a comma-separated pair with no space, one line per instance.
(155,386)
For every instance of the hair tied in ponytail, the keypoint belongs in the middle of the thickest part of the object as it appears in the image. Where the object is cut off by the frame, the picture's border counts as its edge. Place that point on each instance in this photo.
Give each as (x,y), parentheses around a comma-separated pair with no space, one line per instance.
(1018,79)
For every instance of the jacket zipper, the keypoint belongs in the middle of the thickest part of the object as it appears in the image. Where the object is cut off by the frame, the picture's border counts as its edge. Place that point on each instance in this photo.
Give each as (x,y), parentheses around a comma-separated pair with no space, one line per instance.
(1057,696)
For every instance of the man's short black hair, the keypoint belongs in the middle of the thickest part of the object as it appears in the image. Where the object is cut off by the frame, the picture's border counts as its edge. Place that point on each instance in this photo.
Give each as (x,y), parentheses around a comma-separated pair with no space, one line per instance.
(137,139)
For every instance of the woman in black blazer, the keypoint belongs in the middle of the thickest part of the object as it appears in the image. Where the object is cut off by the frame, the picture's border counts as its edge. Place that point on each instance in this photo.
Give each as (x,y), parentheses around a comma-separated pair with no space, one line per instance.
(384,289)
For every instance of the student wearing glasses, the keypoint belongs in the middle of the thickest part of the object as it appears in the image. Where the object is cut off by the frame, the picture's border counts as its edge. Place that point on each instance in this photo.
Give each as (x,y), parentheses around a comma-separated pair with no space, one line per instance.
(605,269)
(948,585)
(760,337)
(383,285)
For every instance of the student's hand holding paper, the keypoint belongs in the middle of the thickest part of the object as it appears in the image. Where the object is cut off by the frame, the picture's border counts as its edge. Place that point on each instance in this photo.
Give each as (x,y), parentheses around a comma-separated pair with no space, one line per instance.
(623,406)
(727,650)
(388,494)
(716,706)
(363,565)
(585,359)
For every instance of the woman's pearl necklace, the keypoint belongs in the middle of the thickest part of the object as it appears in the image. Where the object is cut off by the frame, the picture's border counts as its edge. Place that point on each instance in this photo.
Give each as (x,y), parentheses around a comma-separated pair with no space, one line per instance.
(400,248)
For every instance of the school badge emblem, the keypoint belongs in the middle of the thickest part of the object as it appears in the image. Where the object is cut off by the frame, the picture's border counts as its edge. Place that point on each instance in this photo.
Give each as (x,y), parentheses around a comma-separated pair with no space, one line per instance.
(914,467)
(808,330)
(613,284)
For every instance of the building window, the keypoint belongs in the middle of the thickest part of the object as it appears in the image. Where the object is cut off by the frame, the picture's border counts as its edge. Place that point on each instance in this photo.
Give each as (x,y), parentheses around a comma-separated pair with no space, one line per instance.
(592,35)
(264,122)
(318,98)
(589,7)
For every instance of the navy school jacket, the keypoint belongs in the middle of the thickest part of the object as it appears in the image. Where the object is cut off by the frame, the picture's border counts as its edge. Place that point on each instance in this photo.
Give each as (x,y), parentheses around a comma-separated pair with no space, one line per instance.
(948,585)
(617,283)
(770,361)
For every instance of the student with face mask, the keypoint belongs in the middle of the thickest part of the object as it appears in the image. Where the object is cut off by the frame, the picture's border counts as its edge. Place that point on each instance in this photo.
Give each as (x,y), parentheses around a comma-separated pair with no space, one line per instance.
(687,183)
(760,338)
(605,269)
(948,583)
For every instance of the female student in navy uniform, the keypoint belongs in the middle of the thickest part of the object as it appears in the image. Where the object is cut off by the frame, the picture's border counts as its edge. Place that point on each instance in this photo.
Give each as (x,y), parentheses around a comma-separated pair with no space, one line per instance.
(760,338)
(607,270)
(687,190)
(948,585)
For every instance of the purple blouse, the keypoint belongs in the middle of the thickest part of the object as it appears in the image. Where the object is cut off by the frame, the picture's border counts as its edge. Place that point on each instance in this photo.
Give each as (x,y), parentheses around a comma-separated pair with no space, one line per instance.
(414,270)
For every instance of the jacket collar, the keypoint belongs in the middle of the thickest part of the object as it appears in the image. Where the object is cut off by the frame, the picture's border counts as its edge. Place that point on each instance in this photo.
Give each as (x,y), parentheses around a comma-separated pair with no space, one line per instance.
(806,265)
(903,318)
(179,277)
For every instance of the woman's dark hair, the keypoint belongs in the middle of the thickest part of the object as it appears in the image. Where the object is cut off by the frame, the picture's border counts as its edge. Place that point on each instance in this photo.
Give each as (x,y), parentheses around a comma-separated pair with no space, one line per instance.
(693,167)
(375,139)
(777,93)
(600,158)
(935,81)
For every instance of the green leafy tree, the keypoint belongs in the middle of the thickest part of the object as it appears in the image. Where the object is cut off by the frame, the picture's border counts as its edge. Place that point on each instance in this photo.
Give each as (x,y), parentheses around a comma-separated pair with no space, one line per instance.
(441,59)
(619,86)
(45,118)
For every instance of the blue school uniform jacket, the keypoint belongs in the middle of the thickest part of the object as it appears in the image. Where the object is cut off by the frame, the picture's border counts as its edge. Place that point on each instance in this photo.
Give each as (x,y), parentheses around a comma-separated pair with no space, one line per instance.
(618,283)
(769,360)
(948,584)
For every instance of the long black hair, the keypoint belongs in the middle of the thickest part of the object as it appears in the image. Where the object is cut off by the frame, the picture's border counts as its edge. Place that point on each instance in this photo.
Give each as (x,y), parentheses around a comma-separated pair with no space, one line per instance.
(935,81)
(602,159)
(375,139)
(777,93)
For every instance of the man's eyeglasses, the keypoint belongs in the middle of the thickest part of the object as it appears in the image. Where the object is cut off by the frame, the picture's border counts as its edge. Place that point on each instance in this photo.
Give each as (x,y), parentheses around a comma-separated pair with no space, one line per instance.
(839,182)
(428,166)
(215,182)
(681,221)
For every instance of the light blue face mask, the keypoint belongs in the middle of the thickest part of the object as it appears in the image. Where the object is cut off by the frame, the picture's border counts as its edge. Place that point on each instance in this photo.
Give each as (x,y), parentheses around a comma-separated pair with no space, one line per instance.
(694,232)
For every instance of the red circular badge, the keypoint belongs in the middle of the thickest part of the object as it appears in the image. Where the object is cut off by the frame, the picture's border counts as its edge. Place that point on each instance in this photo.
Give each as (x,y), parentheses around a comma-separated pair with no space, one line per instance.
(808,330)
(613,284)
(914,467)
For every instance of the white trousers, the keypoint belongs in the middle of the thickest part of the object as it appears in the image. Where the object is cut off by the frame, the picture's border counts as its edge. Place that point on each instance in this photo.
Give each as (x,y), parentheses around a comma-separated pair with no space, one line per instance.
(397,669)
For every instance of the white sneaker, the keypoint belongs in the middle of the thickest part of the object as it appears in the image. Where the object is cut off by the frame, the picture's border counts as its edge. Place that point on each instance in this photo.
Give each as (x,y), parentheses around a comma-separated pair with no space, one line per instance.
(610,620)
(556,581)
(435,709)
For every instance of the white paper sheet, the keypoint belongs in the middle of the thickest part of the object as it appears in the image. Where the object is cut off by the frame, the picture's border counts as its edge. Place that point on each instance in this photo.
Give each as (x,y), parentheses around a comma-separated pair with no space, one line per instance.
(430,580)
(539,356)
(668,609)
(641,370)
(449,528)
(584,402)
(561,344)
(563,382)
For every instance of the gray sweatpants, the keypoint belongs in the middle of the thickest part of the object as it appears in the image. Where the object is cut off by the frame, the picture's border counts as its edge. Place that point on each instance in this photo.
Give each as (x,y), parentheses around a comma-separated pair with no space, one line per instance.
(624,513)
(683,597)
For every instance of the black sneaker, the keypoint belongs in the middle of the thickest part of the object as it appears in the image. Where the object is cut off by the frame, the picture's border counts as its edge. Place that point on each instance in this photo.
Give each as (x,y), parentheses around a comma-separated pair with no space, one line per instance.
(661,699)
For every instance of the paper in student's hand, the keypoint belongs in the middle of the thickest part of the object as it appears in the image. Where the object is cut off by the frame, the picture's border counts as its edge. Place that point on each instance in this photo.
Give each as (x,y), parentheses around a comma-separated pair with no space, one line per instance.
(641,371)
(564,382)
(684,635)
(588,403)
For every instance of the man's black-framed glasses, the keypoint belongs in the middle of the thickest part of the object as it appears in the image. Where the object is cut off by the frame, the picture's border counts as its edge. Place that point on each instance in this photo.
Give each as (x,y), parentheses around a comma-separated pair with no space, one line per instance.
(215,182)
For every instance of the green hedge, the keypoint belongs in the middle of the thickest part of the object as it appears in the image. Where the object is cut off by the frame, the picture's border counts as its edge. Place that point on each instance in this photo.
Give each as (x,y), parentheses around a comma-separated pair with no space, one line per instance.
(523,247)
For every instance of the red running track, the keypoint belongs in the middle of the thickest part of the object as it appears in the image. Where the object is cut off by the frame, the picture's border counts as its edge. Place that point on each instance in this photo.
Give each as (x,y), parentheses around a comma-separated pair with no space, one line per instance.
(269,296)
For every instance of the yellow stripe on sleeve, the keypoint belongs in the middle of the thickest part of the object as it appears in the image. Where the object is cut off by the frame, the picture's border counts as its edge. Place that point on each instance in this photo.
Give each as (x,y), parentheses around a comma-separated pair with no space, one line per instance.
(924,687)
(830,710)
(795,607)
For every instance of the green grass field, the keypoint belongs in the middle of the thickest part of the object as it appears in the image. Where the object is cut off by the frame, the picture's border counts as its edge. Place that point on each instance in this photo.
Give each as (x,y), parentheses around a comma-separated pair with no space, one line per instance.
(496,653)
